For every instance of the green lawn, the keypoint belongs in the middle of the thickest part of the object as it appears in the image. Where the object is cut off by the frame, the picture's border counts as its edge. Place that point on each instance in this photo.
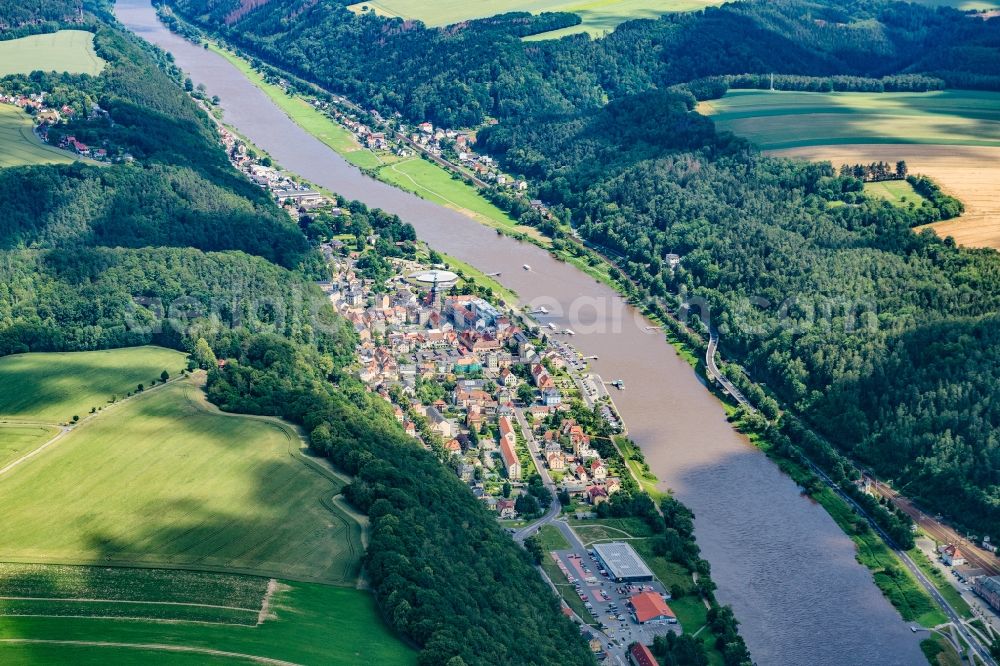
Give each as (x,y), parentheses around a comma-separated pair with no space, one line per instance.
(314,121)
(19,145)
(599,16)
(566,590)
(942,584)
(164,480)
(434,183)
(776,120)
(891,576)
(309,624)
(17,440)
(898,192)
(63,51)
(551,538)
(52,387)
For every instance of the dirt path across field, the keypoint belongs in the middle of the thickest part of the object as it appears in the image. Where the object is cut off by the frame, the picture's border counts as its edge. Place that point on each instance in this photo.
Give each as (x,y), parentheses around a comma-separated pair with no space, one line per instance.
(970,173)
(155,646)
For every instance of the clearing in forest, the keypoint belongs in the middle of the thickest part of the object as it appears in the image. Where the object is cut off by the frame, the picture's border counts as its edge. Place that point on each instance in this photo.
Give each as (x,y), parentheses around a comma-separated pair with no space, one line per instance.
(599,16)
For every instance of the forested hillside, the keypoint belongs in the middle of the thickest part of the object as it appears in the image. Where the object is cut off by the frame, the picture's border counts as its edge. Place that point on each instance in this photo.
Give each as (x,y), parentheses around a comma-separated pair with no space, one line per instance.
(822,301)
(176,247)
(457,76)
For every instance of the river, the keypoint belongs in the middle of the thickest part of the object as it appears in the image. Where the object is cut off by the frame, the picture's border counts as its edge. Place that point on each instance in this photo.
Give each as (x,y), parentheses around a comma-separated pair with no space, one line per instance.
(777,557)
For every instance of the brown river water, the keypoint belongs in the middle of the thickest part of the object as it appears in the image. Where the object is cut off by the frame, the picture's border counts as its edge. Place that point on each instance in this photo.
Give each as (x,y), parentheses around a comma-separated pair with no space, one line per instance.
(777,557)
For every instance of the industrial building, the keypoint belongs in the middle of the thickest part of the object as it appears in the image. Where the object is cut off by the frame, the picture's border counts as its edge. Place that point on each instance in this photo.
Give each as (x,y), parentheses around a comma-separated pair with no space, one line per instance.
(622,563)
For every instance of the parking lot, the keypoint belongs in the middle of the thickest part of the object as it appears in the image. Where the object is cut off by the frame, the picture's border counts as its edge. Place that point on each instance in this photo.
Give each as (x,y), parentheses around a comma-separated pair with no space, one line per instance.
(608,601)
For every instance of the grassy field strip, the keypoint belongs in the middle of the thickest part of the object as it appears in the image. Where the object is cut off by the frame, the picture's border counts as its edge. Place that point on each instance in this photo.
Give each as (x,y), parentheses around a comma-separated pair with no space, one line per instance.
(157,646)
(898,192)
(314,121)
(18,144)
(63,51)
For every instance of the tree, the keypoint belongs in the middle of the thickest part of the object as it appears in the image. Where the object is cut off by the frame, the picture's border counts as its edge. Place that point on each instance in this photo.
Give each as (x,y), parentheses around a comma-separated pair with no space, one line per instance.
(75,418)
(534,548)
(140,388)
(526,394)
(203,355)
(527,505)
(506,489)
(164,376)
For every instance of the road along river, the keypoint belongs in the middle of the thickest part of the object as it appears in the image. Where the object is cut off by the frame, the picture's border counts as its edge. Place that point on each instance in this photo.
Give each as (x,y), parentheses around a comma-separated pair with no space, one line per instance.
(778,558)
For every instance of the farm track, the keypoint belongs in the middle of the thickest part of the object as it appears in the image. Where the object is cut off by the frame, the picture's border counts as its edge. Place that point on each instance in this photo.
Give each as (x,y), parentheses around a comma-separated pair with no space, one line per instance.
(295,449)
(154,646)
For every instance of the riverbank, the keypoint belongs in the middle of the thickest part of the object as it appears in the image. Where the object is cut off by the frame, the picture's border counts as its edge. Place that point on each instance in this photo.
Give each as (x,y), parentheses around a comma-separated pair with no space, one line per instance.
(748,512)
(888,571)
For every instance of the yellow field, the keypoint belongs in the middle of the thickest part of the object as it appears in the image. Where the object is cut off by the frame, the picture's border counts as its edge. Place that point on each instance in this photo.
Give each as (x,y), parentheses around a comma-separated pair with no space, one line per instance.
(970,173)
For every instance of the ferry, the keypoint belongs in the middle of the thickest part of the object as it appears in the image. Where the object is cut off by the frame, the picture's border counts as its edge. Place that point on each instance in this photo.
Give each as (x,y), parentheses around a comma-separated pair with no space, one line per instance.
(552,326)
(527,267)
(569,331)
(618,384)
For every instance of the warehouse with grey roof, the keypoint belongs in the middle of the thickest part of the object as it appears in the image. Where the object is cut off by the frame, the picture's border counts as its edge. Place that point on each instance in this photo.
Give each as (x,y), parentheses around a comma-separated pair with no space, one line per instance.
(622,563)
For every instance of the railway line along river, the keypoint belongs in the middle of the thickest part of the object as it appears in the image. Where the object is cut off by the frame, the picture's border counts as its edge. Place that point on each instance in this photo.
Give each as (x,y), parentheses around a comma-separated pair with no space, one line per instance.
(777,557)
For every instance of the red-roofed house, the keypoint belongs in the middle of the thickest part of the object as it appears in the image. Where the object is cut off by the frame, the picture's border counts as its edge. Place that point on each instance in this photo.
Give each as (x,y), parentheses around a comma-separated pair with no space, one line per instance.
(507,442)
(650,607)
(640,655)
(952,556)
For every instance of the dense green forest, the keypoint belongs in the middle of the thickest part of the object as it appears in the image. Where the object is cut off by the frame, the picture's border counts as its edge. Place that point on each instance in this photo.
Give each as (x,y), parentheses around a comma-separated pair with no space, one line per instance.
(813,298)
(457,76)
(177,248)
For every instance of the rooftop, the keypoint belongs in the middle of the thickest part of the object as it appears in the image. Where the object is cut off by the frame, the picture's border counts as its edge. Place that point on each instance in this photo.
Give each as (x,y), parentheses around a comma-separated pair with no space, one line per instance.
(622,561)
(649,605)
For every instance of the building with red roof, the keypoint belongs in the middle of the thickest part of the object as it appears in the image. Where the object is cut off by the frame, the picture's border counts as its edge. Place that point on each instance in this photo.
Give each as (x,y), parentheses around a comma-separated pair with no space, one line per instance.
(640,655)
(650,607)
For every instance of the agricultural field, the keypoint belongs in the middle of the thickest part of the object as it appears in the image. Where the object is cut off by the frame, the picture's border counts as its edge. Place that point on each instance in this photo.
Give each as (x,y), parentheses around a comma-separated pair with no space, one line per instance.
(305,623)
(599,16)
(63,51)
(953,136)
(18,439)
(970,173)
(777,120)
(162,531)
(164,479)
(53,387)
(18,144)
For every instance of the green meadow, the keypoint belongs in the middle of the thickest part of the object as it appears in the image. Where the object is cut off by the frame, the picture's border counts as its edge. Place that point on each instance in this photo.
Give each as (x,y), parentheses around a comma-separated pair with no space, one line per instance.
(898,192)
(162,531)
(165,480)
(63,51)
(598,16)
(776,119)
(314,121)
(53,387)
(18,144)
(306,624)
(18,439)
(434,183)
